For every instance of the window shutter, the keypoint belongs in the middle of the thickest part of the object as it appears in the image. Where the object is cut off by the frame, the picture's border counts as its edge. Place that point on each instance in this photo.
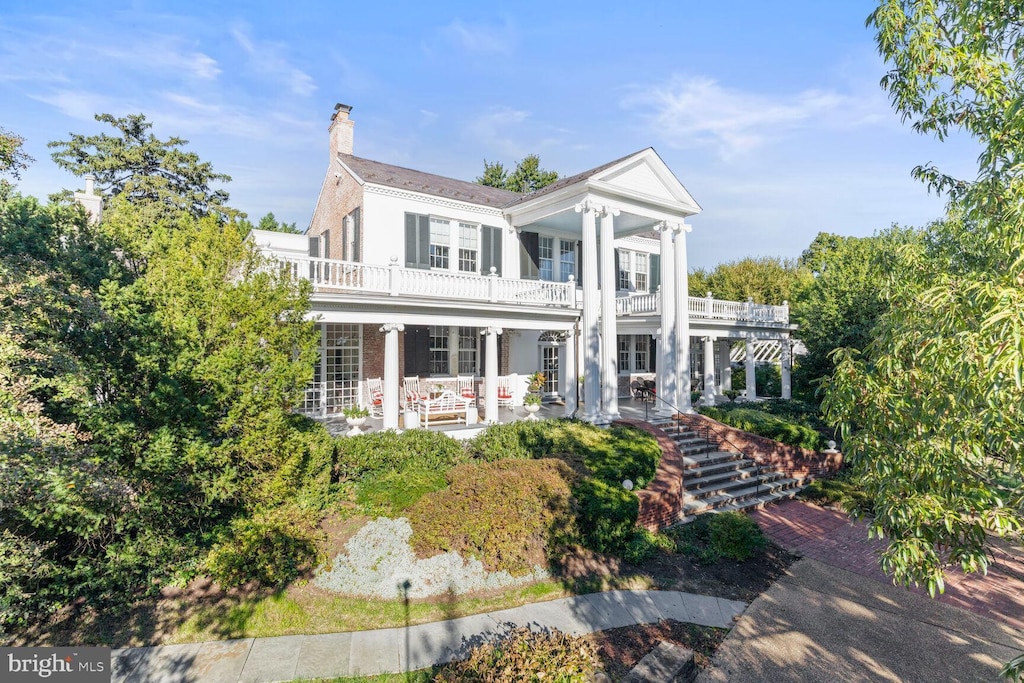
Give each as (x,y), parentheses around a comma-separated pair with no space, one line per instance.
(424,246)
(617,271)
(327,243)
(417,350)
(654,261)
(410,246)
(490,249)
(652,358)
(529,255)
(357,216)
(314,247)
(417,241)
(579,263)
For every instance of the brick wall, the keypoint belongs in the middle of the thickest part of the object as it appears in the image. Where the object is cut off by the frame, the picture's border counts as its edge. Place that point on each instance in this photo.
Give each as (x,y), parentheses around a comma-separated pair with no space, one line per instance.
(799,463)
(338,198)
(660,501)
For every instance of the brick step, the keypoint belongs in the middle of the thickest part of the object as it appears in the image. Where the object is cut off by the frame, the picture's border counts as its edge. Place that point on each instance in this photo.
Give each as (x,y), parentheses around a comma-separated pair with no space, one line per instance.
(703,483)
(755,503)
(721,501)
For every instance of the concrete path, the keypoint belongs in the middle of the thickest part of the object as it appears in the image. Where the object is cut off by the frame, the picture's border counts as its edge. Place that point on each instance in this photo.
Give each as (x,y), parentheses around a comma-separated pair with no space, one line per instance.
(396,650)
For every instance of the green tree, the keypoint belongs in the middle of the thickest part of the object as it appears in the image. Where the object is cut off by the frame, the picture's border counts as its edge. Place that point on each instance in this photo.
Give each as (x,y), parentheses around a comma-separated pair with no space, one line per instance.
(839,302)
(140,166)
(932,410)
(13,159)
(766,280)
(270,222)
(527,176)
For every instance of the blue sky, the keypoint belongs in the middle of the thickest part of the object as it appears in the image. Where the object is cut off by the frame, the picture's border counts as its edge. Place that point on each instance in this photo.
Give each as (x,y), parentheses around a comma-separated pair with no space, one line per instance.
(769,113)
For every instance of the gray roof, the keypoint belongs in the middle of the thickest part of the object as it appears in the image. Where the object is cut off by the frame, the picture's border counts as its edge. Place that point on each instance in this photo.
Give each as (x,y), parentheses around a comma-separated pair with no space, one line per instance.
(417,181)
(565,182)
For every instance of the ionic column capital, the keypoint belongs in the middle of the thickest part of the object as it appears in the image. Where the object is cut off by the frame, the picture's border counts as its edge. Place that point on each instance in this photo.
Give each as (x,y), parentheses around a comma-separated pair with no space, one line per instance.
(491,330)
(392,327)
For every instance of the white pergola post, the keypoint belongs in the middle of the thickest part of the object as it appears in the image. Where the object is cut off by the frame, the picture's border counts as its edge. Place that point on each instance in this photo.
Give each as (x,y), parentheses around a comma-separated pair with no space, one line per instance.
(751,364)
(590,336)
(709,371)
(609,334)
(491,373)
(786,361)
(724,367)
(570,373)
(390,400)
(682,333)
(667,338)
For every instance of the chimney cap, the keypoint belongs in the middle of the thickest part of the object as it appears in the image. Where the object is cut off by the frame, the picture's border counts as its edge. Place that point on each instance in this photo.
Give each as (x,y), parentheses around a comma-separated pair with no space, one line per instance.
(340,108)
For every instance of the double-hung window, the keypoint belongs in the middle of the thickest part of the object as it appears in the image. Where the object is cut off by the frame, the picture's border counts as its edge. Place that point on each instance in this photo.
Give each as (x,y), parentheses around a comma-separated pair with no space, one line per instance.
(468,240)
(546,258)
(439,243)
(566,260)
(640,271)
(438,350)
(625,271)
(634,353)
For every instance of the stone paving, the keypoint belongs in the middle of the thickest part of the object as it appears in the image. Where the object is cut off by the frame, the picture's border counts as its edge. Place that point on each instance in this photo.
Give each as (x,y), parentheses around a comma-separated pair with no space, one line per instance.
(396,650)
(832,538)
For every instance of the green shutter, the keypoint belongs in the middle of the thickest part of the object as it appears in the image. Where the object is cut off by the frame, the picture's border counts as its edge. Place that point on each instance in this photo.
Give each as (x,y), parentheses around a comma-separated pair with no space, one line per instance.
(490,249)
(417,241)
(529,255)
(655,265)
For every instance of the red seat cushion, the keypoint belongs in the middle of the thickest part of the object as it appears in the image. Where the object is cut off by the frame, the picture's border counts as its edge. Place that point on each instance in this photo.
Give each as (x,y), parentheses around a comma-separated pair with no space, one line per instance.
(467,393)
(504,394)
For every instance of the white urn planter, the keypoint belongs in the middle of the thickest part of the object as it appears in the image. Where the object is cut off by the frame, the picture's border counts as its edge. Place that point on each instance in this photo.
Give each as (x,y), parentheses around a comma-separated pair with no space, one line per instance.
(532,409)
(355,423)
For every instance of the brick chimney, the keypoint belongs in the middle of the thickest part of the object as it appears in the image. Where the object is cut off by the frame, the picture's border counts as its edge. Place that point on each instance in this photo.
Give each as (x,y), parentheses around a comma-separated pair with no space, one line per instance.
(341,130)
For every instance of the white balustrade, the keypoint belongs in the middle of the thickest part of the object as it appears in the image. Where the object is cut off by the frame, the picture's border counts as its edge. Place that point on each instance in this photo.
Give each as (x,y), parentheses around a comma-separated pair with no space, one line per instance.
(329,274)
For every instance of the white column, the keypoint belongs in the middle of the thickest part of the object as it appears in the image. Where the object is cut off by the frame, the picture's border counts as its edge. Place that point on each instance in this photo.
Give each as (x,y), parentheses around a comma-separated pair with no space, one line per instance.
(786,360)
(682,335)
(667,339)
(724,367)
(750,369)
(570,373)
(453,348)
(709,371)
(609,333)
(589,337)
(323,370)
(391,331)
(491,373)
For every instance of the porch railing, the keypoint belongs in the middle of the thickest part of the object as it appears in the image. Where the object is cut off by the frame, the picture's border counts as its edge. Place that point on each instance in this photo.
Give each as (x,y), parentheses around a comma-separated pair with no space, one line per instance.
(706,308)
(329,275)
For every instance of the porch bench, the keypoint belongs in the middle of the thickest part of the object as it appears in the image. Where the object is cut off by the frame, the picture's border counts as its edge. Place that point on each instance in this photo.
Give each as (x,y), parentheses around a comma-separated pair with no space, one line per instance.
(448,406)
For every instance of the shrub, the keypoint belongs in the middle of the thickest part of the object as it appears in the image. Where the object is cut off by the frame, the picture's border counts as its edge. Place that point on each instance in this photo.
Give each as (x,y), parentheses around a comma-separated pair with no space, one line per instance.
(711,537)
(643,545)
(521,440)
(509,514)
(607,515)
(524,655)
(766,425)
(392,493)
(387,452)
(843,490)
(735,535)
(272,547)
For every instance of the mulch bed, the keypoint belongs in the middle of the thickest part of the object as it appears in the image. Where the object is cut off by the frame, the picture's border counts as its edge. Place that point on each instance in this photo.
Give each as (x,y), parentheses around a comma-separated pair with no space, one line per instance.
(621,648)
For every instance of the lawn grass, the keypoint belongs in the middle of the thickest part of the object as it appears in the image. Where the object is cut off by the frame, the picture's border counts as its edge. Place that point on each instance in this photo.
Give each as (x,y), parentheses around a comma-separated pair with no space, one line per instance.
(312,612)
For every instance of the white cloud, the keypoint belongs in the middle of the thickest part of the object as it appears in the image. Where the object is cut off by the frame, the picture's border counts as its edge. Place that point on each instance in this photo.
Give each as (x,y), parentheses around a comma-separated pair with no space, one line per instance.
(481,38)
(495,130)
(267,59)
(697,111)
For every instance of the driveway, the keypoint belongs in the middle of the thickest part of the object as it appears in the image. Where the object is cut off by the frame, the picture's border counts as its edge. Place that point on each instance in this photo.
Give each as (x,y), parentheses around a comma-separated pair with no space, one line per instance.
(835,617)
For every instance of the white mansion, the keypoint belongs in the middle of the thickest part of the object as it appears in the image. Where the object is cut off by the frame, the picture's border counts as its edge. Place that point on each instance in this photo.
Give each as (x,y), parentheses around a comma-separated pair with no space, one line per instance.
(420,280)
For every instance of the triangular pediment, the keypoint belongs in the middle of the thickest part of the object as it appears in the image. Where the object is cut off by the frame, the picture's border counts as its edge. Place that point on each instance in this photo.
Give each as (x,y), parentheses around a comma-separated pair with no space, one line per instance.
(646,174)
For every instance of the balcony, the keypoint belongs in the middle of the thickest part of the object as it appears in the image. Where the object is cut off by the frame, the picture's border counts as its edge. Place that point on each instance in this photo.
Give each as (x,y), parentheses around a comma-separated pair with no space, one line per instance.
(330,276)
(707,308)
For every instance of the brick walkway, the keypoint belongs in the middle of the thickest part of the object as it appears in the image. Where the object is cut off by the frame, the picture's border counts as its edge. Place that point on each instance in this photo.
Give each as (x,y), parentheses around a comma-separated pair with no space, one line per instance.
(833,539)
